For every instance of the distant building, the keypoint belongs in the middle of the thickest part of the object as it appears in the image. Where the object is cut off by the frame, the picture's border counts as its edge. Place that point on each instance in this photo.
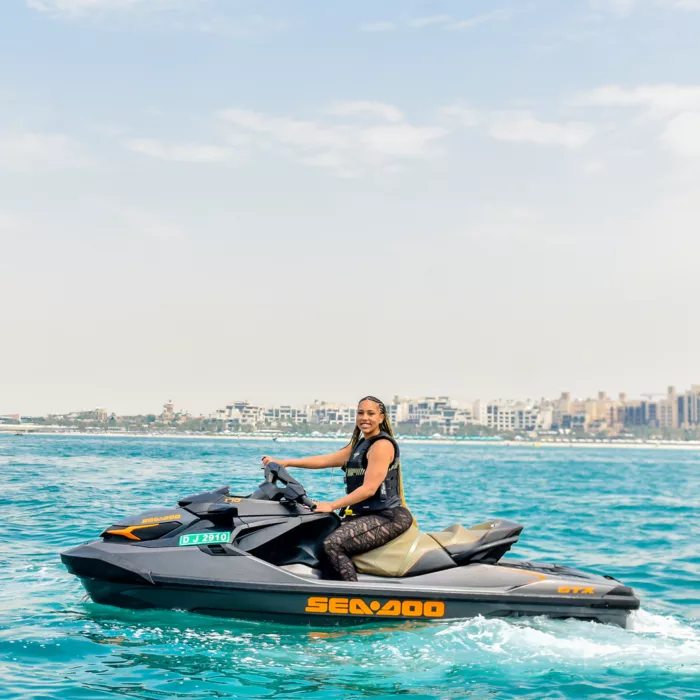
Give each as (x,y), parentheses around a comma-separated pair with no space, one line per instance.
(587,415)
(512,416)
(438,412)
(479,412)
(243,413)
(280,416)
(324,413)
(427,409)
(168,413)
(689,407)
(398,410)
(668,409)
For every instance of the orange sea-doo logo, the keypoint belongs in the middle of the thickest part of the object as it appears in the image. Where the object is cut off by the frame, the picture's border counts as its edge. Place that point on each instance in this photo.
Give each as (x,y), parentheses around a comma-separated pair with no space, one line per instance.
(392,608)
(162,518)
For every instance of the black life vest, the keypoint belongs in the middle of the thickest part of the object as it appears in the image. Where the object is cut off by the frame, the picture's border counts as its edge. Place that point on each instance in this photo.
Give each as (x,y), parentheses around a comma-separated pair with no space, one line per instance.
(388,495)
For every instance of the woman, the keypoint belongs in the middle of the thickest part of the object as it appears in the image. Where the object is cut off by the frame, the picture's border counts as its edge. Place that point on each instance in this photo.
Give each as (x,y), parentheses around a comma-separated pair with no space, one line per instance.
(375,512)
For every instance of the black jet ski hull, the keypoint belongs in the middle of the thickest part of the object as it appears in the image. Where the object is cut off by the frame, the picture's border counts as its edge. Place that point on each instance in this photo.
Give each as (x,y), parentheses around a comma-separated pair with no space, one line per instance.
(246,587)
(290,608)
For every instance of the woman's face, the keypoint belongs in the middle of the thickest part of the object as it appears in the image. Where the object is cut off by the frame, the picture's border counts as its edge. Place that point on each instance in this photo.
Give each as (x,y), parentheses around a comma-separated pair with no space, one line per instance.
(369,417)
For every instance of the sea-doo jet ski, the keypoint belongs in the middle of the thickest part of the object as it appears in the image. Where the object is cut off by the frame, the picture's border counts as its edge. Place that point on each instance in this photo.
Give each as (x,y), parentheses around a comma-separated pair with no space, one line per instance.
(260,557)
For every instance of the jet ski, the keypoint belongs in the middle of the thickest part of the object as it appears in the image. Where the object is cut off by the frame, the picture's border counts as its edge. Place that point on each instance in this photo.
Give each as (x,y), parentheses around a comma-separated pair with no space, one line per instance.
(260,557)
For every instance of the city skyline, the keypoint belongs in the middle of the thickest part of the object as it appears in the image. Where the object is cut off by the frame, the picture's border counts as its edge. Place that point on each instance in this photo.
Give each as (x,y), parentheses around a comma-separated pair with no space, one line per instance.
(621,396)
(201,407)
(675,414)
(298,199)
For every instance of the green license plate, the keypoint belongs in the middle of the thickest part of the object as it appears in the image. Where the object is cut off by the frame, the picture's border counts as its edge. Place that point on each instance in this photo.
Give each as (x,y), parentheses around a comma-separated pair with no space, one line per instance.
(204,538)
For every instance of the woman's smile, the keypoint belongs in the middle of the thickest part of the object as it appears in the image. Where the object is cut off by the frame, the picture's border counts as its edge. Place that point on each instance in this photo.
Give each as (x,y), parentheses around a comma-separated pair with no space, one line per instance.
(368,417)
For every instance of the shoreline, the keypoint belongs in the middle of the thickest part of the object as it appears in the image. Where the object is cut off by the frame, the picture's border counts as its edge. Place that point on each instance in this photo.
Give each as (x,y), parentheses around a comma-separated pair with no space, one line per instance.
(642,445)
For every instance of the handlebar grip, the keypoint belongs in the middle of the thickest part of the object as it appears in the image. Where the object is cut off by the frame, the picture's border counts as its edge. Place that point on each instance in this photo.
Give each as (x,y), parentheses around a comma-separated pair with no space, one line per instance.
(306,501)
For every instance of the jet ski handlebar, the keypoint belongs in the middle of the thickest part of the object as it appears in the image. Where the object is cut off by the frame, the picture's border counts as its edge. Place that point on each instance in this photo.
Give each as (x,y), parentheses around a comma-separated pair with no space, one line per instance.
(293,491)
(276,472)
(306,501)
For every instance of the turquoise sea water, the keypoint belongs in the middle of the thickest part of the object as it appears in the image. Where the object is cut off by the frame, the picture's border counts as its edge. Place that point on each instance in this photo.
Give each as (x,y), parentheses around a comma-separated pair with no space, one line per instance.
(630,513)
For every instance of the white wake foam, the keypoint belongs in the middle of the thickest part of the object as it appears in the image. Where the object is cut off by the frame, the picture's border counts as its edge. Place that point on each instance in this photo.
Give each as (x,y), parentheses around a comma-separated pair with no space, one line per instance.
(651,640)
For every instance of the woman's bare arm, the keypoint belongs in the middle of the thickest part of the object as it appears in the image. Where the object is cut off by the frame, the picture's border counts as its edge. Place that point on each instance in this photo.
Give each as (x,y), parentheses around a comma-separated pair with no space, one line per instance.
(335,459)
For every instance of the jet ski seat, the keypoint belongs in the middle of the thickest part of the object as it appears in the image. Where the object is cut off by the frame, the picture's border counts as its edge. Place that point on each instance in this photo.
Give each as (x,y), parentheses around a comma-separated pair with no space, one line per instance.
(487,541)
(415,552)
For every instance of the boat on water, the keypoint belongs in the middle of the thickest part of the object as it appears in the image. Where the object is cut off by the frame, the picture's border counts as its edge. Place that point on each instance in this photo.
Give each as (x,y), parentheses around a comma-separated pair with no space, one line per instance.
(260,557)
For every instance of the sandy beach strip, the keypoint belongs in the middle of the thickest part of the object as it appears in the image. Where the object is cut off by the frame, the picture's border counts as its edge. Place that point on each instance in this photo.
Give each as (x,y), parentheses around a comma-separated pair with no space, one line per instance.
(565,444)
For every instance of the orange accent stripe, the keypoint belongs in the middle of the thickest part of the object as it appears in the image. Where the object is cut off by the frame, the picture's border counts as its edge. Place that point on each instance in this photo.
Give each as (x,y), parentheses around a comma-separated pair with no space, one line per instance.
(539,577)
(128,531)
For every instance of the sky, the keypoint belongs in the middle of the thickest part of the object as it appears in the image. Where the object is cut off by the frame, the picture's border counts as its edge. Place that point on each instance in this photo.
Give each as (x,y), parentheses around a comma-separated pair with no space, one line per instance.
(287,200)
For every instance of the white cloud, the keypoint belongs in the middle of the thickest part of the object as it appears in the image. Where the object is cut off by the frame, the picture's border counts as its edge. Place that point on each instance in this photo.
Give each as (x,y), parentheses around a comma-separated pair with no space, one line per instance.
(38,151)
(523,127)
(677,107)
(83,7)
(329,159)
(245,26)
(363,135)
(400,140)
(427,21)
(682,135)
(181,152)
(293,132)
(441,21)
(624,8)
(661,100)
(621,8)
(520,126)
(463,116)
(378,27)
(686,4)
(496,16)
(367,108)
(203,16)
(349,147)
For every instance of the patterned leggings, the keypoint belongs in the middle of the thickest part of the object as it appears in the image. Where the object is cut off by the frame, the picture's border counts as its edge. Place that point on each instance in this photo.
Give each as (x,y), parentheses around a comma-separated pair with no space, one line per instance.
(358,534)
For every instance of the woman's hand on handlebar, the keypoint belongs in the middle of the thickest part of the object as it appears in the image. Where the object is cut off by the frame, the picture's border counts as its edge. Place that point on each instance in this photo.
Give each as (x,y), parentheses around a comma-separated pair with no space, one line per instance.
(323,507)
(282,462)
